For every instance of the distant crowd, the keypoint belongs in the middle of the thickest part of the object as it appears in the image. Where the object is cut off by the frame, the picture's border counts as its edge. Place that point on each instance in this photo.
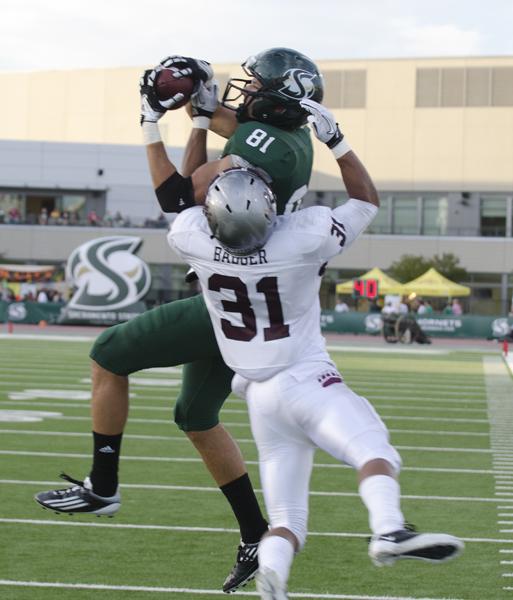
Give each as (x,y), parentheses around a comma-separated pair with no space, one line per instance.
(30,294)
(72,218)
(406,305)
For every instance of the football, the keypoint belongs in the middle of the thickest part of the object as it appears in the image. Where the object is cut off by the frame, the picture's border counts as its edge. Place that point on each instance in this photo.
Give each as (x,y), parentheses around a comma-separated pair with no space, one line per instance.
(167,86)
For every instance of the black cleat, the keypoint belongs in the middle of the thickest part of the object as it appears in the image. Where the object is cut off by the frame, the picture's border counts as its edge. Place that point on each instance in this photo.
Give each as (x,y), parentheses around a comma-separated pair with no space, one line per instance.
(407,543)
(78,499)
(244,569)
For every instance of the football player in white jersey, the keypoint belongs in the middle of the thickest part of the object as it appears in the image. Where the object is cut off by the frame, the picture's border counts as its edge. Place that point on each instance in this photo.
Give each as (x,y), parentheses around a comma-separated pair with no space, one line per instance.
(260,275)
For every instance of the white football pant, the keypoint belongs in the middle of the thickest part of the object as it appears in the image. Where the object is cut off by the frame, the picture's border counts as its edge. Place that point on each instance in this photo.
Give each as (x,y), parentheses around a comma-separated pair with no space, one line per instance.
(305,407)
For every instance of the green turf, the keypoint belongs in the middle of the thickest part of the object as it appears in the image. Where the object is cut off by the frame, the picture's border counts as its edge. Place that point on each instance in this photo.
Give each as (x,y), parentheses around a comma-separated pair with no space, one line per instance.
(433,404)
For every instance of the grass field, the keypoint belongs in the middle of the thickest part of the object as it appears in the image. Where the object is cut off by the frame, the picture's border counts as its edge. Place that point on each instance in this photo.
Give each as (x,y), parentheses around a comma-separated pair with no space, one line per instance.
(450,415)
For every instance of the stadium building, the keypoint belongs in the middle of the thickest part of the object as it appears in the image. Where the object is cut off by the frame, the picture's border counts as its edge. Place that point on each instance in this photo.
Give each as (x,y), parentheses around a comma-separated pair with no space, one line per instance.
(435,134)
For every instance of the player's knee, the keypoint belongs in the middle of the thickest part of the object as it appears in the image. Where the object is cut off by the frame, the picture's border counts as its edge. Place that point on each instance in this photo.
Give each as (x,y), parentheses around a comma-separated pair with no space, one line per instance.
(101,376)
(293,518)
(374,445)
(106,352)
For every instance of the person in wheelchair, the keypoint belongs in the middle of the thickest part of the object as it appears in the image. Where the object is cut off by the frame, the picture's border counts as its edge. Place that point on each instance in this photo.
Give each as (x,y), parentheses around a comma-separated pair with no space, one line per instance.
(401,327)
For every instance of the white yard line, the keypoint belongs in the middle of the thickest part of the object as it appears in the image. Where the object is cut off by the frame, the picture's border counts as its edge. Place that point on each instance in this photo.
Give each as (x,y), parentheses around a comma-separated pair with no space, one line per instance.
(195,591)
(400,431)
(47,338)
(184,488)
(132,526)
(162,437)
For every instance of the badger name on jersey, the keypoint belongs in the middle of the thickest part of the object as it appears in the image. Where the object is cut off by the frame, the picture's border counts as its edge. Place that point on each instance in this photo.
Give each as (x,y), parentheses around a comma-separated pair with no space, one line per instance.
(265,307)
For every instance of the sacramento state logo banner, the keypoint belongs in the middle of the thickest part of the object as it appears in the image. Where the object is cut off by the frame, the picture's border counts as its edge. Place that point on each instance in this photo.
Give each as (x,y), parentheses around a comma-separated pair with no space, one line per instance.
(109,280)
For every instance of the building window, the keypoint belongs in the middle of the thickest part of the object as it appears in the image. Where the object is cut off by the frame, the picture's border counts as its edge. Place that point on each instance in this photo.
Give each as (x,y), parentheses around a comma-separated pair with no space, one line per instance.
(405,215)
(345,89)
(435,211)
(453,87)
(457,86)
(427,88)
(381,222)
(493,216)
(502,86)
(477,91)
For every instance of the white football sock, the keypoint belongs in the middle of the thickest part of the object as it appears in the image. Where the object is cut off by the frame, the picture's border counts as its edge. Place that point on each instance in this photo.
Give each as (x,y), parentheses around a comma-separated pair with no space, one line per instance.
(276,553)
(381,495)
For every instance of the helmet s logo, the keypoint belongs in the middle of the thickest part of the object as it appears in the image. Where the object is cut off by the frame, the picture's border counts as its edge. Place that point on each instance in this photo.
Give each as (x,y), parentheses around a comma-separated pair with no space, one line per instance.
(107,274)
(298,84)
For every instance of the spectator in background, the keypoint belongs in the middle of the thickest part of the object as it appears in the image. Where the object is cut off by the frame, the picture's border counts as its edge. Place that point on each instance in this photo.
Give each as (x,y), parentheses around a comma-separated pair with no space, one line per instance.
(403,307)
(108,220)
(448,309)
(388,309)
(42,296)
(55,217)
(2,216)
(118,220)
(14,215)
(457,310)
(162,221)
(92,218)
(374,306)
(421,309)
(428,309)
(341,306)
(43,217)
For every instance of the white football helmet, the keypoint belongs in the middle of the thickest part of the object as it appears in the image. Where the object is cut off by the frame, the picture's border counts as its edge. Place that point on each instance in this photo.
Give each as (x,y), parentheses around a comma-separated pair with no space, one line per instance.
(241,210)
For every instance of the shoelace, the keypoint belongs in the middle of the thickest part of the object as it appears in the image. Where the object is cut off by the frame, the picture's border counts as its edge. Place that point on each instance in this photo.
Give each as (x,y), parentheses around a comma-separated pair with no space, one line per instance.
(246,553)
(71,480)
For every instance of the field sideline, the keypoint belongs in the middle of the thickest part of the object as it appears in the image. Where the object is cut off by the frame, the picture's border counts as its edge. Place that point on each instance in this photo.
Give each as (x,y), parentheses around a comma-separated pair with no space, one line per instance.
(450,414)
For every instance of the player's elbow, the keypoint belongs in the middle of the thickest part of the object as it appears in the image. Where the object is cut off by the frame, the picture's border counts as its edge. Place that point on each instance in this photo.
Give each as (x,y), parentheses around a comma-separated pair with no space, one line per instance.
(175,193)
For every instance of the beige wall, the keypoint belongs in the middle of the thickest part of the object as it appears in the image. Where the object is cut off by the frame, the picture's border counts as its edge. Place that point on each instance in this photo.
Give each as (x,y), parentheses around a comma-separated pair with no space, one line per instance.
(33,243)
(402,146)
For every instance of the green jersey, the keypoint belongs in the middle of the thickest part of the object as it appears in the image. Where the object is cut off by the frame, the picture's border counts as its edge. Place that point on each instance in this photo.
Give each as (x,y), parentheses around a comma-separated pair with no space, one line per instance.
(286,156)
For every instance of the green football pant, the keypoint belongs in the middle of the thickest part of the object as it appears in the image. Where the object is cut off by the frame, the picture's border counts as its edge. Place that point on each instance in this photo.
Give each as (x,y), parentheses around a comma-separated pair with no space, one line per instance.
(178,333)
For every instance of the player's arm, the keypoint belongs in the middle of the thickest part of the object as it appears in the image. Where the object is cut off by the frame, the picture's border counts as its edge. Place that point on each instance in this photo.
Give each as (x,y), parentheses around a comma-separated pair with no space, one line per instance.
(174,191)
(224,122)
(356,179)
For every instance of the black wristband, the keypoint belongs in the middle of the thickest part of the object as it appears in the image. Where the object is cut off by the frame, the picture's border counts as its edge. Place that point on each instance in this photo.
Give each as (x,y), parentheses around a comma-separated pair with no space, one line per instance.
(175,193)
(336,139)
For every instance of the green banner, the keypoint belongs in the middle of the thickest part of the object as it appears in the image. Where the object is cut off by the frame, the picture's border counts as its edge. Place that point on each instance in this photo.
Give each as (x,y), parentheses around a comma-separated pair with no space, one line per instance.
(30,312)
(466,326)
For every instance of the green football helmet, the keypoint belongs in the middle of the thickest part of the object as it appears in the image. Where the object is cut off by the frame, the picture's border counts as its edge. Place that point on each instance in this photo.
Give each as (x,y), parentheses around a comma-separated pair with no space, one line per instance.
(286,77)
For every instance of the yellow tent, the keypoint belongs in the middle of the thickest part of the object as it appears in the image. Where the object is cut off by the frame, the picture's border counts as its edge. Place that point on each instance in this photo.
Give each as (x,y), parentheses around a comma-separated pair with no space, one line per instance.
(386,285)
(432,283)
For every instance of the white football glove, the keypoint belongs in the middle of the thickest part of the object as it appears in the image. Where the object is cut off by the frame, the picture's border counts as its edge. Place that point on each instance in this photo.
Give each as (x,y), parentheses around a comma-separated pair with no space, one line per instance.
(184,66)
(325,127)
(204,99)
(152,109)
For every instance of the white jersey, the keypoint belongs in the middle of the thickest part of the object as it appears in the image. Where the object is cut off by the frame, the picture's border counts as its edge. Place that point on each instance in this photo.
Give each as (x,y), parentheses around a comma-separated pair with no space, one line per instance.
(265,307)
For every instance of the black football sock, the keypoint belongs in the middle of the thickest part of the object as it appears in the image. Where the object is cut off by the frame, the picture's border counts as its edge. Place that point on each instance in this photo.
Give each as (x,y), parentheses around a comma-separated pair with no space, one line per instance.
(241,496)
(104,474)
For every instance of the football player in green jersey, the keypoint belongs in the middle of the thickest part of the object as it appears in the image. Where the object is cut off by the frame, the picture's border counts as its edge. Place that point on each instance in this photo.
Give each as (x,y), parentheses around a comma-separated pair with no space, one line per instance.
(267,131)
